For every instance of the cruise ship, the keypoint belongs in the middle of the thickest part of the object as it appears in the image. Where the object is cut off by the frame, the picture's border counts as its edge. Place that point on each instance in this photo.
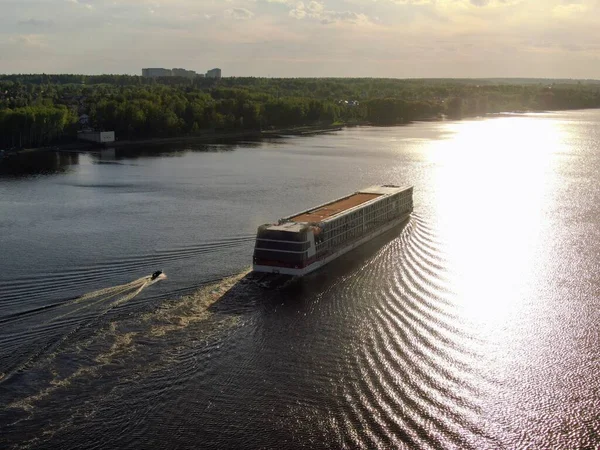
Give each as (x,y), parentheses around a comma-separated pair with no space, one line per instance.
(306,241)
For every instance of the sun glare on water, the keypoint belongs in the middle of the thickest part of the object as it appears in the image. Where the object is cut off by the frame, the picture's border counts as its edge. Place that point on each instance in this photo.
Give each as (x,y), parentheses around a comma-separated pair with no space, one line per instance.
(493,180)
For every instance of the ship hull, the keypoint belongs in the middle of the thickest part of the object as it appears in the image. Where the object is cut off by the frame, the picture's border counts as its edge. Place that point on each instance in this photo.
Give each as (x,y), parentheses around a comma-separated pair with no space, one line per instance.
(343,250)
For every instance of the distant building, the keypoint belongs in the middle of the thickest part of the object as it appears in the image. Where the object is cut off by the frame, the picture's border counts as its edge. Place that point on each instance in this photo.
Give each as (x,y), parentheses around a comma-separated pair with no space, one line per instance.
(184,73)
(348,102)
(157,72)
(214,73)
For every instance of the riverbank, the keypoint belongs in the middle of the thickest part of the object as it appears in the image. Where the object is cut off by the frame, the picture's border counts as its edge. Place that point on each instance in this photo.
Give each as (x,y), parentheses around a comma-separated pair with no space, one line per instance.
(199,138)
(216,136)
(302,131)
(206,137)
(211,136)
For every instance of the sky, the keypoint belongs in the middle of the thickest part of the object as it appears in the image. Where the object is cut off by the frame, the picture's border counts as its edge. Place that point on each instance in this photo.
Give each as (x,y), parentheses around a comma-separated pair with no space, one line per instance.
(305,38)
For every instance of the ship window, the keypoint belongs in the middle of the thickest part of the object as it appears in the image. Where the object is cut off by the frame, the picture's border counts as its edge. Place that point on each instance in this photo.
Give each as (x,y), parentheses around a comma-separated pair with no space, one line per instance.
(273,255)
(289,246)
(281,235)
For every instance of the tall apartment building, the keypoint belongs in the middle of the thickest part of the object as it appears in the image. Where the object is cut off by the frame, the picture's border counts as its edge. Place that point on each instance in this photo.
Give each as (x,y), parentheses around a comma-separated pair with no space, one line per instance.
(156,72)
(184,73)
(214,73)
(159,72)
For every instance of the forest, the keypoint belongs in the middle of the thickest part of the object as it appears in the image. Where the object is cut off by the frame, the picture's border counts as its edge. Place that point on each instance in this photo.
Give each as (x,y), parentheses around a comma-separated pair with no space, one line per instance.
(39,110)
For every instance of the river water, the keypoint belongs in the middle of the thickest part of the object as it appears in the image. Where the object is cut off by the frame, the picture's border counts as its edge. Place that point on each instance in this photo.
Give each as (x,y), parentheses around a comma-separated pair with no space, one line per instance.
(475,325)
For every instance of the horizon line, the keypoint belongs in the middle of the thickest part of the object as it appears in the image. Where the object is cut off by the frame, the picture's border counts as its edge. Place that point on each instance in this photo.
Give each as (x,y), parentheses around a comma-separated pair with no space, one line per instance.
(314,77)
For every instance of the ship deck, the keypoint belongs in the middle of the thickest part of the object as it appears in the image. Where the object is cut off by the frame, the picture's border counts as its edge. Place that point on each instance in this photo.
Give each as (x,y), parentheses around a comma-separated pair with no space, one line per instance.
(334,208)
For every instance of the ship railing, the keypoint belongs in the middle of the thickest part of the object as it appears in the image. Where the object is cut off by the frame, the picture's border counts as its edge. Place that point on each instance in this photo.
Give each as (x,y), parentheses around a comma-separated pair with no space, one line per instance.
(385,215)
(373,202)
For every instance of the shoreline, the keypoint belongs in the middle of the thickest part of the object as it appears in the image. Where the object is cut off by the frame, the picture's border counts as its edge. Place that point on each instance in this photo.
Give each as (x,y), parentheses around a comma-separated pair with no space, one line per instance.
(280,133)
(208,137)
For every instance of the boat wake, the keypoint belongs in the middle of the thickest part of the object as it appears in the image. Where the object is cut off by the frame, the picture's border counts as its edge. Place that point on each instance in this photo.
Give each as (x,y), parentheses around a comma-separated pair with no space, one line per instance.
(69,312)
(41,287)
(118,339)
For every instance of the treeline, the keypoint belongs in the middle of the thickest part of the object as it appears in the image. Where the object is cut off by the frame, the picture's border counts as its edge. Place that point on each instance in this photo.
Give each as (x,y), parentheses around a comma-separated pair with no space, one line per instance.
(37,109)
(34,126)
(168,111)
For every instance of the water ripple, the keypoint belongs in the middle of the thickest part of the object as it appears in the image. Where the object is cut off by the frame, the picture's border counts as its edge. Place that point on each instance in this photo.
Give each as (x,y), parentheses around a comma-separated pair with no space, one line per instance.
(415,381)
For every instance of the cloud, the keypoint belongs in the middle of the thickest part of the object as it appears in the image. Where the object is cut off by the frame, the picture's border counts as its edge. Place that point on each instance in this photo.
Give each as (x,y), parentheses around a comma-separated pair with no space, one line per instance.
(83,3)
(239,14)
(316,10)
(299,12)
(29,40)
(569,10)
(36,23)
(328,17)
(412,2)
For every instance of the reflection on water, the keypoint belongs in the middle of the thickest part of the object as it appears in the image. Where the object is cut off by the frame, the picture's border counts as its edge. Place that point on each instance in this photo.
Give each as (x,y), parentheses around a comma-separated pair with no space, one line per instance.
(473,326)
(54,162)
(501,188)
(37,163)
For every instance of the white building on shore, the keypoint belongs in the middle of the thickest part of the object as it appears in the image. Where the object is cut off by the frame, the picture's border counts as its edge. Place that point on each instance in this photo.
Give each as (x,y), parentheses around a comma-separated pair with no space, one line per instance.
(99,137)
